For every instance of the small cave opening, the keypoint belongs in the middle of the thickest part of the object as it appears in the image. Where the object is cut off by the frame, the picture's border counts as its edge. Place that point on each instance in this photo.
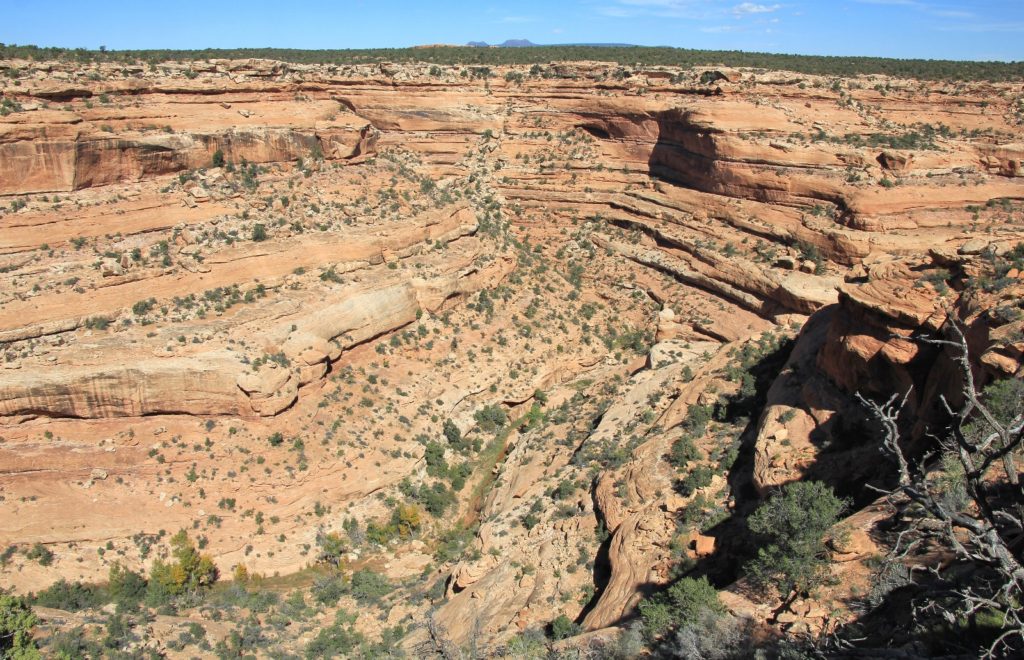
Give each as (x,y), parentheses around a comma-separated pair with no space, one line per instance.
(596,131)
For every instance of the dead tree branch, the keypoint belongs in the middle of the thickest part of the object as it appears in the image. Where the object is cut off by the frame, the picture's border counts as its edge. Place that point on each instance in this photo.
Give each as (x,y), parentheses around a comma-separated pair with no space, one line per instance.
(986,529)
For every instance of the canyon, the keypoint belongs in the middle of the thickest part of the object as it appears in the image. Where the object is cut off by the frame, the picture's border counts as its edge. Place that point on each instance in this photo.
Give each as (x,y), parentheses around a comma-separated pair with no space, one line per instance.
(273,303)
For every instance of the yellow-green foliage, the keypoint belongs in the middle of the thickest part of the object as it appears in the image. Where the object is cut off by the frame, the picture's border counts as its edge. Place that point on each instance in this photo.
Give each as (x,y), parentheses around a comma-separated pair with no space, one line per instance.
(191,571)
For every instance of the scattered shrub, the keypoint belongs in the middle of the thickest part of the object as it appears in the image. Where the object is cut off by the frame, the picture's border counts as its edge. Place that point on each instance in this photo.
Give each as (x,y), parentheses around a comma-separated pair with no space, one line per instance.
(684,601)
(16,623)
(125,587)
(70,596)
(563,627)
(491,418)
(190,573)
(684,452)
(792,525)
(369,588)
(41,554)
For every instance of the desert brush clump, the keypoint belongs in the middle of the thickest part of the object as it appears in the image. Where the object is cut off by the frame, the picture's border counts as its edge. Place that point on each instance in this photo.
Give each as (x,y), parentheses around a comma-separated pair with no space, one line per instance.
(791,526)
(189,574)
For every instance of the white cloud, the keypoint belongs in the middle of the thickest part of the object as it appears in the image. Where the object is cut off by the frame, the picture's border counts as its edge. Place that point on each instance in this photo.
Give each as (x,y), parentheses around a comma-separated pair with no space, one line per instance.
(747,8)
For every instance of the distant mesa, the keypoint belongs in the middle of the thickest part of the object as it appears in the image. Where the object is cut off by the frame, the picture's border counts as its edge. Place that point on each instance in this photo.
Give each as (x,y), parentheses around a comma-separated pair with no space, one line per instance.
(508,43)
(517,43)
(526,43)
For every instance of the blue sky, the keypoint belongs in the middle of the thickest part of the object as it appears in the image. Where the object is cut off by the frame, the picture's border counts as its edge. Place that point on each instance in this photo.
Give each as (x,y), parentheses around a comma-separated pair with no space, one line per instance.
(946,29)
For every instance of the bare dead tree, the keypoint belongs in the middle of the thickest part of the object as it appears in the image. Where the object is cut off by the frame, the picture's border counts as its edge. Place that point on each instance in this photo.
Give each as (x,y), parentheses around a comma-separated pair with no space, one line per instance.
(439,639)
(986,529)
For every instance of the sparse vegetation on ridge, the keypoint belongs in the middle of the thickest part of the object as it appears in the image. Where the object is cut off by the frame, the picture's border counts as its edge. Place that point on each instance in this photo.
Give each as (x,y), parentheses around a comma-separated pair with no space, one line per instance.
(628,55)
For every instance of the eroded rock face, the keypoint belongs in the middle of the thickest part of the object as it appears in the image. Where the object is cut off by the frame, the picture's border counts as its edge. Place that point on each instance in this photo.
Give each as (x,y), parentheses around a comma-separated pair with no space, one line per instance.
(874,342)
(257,287)
(191,386)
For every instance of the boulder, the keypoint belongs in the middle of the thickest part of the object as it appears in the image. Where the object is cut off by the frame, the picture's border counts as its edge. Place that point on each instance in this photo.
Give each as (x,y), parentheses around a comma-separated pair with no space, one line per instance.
(894,161)
(973,246)
(111,268)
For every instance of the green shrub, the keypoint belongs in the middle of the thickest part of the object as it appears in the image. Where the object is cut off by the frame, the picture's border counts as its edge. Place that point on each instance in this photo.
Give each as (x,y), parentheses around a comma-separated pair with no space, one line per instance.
(331,275)
(143,307)
(368,587)
(697,419)
(237,595)
(73,644)
(41,554)
(564,490)
(379,533)
(1004,399)
(791,526)
(451,544)
(528,645)
(530,520)
(434,457)
(241,643)
(563,627)
(684,451)
(491,418)
(119,632)
(938,278)
(685,600)
(259,232)
(339,640)
(16,623)
(189,574)
(328,590)
(436,499)
(97,323)
(458,475)
(454,436)
(699,477)
(70,596)
(125,587)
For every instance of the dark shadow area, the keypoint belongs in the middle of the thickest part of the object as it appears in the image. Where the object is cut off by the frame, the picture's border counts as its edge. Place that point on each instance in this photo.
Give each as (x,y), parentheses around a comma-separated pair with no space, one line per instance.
(596,131)
(602,572)
(733,546)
